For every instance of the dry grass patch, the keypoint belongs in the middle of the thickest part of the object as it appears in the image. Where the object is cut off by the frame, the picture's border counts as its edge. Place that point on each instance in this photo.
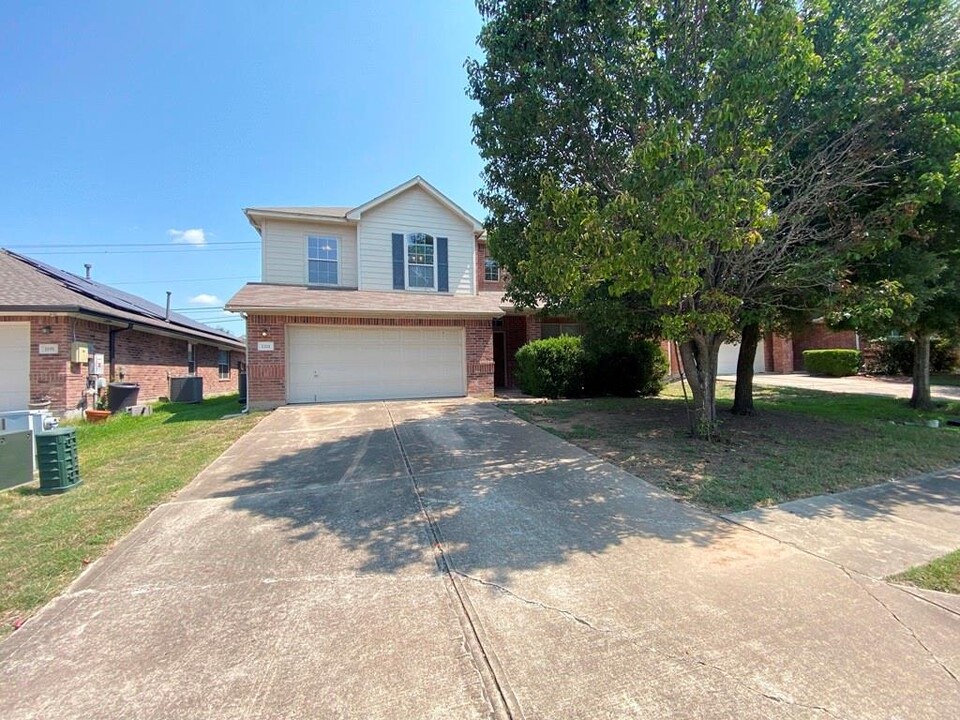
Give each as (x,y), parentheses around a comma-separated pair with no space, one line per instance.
(800,443)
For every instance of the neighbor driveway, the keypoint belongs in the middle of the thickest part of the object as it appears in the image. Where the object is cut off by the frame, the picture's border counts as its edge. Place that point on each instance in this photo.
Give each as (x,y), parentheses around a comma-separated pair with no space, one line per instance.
(855,385)
(447,560)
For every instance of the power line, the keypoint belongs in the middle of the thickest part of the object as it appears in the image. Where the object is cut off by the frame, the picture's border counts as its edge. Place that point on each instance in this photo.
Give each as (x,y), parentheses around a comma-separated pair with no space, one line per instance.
(146,244)
(138,252)
(178,280)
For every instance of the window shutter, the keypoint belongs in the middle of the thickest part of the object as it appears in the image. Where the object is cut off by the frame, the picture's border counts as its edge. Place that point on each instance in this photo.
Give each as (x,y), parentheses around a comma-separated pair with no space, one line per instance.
(398,283)
(443,268)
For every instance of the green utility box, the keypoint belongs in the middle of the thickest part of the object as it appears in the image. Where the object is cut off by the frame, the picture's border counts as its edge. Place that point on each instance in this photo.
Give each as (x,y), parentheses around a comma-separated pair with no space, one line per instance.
(57,460)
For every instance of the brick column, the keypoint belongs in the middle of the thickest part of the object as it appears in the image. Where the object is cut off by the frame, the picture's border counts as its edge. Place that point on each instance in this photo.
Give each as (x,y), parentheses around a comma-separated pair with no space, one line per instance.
(266,369)
(782,353)
(533,328)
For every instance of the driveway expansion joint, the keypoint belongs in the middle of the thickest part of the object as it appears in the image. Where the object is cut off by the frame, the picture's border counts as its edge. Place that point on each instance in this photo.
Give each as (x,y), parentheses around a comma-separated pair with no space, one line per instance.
(501,700)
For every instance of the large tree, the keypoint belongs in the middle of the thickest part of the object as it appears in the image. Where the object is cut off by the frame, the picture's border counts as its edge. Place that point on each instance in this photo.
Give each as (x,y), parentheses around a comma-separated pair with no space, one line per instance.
(903,273)
(628,146)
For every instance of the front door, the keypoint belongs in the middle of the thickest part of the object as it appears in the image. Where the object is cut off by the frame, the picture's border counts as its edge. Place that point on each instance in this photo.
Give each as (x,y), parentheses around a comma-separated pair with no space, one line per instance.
(499,359)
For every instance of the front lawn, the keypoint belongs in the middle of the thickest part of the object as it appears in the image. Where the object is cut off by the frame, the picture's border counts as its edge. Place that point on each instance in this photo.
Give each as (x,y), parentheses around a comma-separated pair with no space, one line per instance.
(942,574)
(800,443)
(128,466)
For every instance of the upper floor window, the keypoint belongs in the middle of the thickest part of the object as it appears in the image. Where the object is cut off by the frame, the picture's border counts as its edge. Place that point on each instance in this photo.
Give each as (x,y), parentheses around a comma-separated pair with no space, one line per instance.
(421,261)
(323,260)
(491,270)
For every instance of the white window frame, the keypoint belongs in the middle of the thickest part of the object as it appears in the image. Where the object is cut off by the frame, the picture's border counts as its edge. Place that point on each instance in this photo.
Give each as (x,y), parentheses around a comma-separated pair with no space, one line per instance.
(406,261)
(339,260)
(221,365)
(191,359)
(486,278)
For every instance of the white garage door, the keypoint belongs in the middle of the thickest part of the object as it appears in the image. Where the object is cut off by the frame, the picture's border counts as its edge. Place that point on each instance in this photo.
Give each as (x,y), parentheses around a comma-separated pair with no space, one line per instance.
(727,361)
(14,366)
(349,363)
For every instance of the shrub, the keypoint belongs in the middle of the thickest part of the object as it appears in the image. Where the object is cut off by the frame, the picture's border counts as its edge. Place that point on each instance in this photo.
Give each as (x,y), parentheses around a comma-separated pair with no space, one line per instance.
(835,363)
(552,367)
(634,367)
(895,357)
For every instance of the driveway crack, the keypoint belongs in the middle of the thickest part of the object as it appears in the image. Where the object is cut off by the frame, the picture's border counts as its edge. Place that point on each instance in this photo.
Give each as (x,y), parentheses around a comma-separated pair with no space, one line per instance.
(904,625)
(536,603)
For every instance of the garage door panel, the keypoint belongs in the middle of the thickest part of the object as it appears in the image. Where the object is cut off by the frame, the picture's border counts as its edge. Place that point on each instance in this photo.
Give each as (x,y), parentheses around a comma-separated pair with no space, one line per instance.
(331,363)
(730,352)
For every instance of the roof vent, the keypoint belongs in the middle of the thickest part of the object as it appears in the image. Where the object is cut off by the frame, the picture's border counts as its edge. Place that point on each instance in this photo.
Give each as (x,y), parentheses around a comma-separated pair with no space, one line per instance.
(167,315)
(88,267)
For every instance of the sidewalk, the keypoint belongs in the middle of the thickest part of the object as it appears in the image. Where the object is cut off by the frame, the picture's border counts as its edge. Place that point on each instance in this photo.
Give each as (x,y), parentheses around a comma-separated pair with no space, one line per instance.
(875,531)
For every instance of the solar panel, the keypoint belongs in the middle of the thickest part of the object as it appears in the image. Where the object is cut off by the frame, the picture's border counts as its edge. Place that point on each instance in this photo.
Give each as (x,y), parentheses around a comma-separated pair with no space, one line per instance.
(118,298)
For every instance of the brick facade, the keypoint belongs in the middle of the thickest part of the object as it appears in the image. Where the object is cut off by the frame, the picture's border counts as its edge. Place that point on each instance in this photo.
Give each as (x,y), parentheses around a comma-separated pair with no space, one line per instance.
(817,336)
(778,353)
(484,285)
(266,371)
(146,359)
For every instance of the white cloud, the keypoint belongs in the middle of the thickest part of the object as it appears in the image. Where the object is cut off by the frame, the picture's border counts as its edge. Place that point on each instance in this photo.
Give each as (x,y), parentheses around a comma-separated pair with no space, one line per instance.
(206,299)
(193,236)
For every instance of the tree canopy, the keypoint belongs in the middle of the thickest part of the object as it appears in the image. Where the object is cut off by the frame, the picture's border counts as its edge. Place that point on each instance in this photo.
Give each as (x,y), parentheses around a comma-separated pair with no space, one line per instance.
(728,162)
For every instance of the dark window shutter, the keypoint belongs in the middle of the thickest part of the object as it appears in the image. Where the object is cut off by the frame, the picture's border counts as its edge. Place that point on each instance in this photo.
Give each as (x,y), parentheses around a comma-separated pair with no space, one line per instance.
(443,267)
(398,283)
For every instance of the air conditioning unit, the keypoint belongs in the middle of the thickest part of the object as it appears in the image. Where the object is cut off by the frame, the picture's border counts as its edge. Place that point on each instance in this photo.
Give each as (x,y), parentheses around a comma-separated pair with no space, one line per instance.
(187,389)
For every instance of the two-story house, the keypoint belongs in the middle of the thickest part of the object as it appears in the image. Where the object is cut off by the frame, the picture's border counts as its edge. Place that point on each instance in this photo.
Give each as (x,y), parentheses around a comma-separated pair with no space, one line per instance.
(394,298)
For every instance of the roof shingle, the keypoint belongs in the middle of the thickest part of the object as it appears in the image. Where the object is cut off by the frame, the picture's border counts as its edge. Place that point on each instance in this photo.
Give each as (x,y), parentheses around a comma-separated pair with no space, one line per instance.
(297,299)
(28,285)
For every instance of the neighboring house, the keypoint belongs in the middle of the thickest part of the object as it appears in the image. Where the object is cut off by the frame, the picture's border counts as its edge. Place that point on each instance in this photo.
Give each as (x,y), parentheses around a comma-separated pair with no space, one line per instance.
(47,315)
(394,298)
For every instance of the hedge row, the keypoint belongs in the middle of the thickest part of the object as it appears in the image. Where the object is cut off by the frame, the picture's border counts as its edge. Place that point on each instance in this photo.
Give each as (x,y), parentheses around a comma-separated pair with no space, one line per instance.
(835,363)
(563,367)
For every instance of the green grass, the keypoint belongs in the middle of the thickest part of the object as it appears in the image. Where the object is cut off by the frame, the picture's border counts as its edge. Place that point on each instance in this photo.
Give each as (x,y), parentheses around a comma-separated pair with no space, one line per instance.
(800,443)
(942,574)
(128,465)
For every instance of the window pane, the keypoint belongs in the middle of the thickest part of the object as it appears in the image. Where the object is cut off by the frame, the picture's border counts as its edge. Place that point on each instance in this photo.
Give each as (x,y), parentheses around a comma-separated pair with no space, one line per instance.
(491,270)
(323,248)
(421,276)
(323,272)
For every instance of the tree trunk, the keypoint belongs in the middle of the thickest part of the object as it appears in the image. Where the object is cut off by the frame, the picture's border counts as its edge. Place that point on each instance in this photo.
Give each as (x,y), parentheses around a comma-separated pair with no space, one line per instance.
(743,394)
(699,358)
(921,372)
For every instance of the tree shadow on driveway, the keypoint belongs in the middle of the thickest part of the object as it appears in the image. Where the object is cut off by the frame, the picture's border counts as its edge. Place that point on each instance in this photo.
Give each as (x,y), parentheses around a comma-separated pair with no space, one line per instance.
(504,495)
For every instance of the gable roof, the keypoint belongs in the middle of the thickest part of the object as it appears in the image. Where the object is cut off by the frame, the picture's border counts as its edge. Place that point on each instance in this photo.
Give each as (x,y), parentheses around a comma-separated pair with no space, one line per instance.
(348,214)
(418,181)
(28,285)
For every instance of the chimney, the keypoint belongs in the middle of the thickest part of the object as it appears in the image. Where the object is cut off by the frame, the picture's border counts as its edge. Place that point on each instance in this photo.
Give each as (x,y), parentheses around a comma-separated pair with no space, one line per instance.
(167,317)
(88,267)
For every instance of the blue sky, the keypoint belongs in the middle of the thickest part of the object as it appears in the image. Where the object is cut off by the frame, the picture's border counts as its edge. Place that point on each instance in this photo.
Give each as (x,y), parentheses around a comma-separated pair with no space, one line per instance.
(121,122)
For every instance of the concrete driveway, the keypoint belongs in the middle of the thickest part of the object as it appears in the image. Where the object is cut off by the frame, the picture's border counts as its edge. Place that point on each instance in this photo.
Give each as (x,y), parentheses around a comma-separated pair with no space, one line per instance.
(855,384)
(447,560)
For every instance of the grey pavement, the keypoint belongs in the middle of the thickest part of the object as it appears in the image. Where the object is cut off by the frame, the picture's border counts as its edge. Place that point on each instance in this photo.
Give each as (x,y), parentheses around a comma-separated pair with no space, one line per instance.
(855,385)
(447,560)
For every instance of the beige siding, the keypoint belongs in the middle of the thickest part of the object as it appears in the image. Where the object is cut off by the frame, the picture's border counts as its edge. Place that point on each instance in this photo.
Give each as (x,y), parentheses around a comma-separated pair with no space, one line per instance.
(285,251)
(414,211)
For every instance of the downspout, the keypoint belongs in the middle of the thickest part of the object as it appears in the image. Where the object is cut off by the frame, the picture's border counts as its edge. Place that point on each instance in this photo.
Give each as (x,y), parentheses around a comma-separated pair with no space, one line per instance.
(113,349)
